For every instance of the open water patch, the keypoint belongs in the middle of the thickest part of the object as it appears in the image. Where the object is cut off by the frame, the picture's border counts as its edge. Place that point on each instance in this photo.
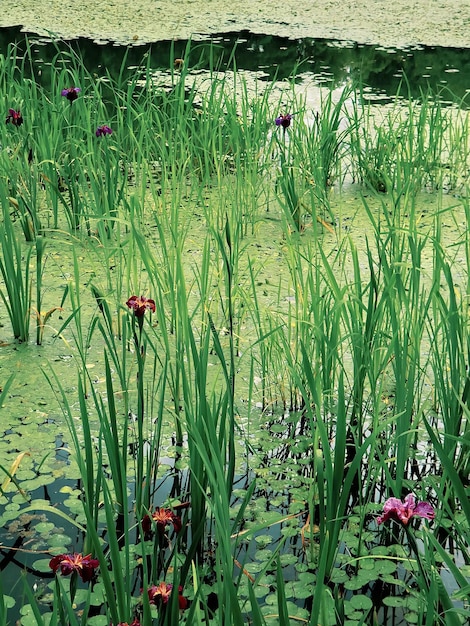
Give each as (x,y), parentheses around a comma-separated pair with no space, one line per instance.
(383,72)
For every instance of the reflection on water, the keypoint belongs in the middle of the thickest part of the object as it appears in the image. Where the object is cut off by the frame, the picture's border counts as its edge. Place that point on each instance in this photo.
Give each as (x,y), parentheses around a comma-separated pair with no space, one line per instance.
(380,70)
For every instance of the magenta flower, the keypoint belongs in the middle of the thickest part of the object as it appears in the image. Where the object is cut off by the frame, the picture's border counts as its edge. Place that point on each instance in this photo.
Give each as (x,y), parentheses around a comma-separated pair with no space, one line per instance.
(84,566)
(140,304)
(162,518)
(14,117)
(71,93)
(101,131)
(403,511)
(284,121)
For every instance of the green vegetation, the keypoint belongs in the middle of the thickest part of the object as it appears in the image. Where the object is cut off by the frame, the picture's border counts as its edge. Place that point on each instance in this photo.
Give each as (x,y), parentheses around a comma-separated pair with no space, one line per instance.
(225,441)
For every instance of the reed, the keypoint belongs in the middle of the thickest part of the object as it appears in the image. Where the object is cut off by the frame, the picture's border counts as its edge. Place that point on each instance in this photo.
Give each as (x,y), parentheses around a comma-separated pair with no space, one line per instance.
(404,150)
(17,282)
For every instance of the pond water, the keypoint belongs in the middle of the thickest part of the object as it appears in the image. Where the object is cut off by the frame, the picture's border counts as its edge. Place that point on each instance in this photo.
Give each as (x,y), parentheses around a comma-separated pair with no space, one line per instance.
(383,72)
(420,22)
(328,62)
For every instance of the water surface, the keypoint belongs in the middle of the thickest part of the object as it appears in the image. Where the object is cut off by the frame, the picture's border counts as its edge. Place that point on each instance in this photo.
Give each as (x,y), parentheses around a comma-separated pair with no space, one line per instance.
(402,23)
(383,72)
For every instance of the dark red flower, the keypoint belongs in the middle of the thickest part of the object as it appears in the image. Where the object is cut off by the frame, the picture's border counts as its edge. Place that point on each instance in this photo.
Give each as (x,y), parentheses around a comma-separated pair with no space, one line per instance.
(403,511)
(71,93)
(182,601)
(159,594)
(134,623)
(284,120)
(140,304)
(14,117)
(162,518)
(85,566)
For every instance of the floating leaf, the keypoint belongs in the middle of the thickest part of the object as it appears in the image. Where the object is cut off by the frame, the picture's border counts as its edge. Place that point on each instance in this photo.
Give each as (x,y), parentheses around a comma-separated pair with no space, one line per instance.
(384,566)
(393,601)
(290,531)
(98,620)
(355,617)
(9,601)
(263,555)
(361,602)
(307,578)
(339,576)
(44,527)
(264,540)
(359,581)
(66,489)
(302,591)
(42,565)
(59,540)
(288,559)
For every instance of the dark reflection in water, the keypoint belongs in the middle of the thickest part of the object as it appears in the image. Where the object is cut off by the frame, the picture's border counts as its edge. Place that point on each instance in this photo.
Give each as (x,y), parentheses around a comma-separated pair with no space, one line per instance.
(446,71)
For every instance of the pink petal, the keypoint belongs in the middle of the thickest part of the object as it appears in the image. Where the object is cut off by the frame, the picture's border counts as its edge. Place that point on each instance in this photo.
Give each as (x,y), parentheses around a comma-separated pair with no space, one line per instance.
(424,509)
(392,505)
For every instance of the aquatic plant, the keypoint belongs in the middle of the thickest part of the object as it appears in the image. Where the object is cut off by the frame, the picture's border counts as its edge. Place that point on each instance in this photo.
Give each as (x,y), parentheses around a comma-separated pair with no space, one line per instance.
(42,317)
(235,435)
(17,281)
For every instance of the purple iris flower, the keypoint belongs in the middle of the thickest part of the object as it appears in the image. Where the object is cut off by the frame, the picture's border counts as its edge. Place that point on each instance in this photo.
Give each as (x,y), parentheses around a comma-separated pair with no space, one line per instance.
(71,93)
(101,131)
(284,120)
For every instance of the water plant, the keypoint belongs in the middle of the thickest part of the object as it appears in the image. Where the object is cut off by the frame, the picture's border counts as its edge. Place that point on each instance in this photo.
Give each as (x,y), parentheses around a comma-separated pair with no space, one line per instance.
(267,419)
(15,271)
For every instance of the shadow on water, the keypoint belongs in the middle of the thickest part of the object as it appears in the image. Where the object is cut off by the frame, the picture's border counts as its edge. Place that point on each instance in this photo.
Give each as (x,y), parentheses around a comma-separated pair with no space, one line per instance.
(445,71)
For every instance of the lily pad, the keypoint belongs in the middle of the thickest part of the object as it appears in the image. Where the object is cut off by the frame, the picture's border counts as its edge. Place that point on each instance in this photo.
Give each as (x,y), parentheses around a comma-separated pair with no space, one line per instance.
(9,601)
(339,576)
(29,619)
(361,602)
(59,541)
(98,620)
(383,566)
(393,601)
(288,559)
(44,527)
(42,565)
(264,540)
(263,555)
